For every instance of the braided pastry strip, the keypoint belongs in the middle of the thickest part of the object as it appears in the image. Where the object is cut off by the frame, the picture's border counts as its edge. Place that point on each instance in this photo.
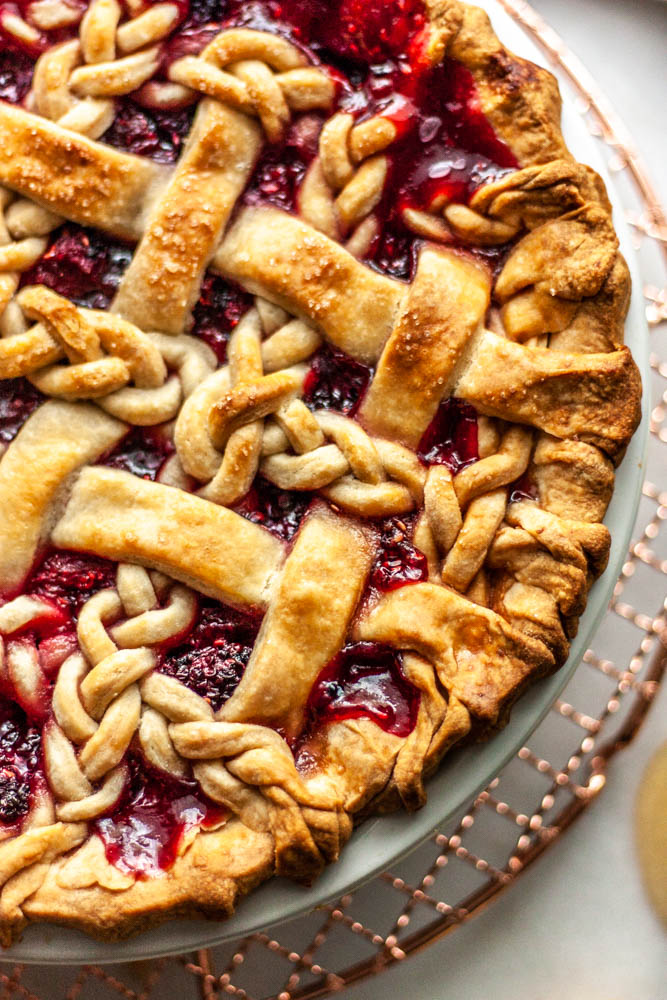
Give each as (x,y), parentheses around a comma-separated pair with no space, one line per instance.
(346,180)
(96,699)
(462,513)
(227,457)
(74,83)
(104,352)
(258,73)
(251,770)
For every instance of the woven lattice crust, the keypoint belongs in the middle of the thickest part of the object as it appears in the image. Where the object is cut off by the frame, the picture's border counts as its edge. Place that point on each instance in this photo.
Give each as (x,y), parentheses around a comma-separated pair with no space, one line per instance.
(538,351)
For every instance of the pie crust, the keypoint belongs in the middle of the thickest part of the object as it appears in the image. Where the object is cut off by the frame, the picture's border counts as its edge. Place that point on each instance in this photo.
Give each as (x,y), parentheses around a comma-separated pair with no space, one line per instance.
(527,344)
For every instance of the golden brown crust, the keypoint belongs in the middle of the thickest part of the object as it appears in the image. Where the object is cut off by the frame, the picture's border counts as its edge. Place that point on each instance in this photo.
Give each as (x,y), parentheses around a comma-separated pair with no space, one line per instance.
(557,392)
(216,551)
(82,180)
(207,880)
(161,285)
(58,439)
(447,302)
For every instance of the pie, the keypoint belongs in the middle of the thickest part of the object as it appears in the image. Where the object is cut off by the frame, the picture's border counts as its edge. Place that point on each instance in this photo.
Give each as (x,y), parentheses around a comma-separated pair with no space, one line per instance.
(313,386)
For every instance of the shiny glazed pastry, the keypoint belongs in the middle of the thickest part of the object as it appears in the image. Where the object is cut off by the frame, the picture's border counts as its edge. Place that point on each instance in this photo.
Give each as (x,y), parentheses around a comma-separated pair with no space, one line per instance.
(313,386)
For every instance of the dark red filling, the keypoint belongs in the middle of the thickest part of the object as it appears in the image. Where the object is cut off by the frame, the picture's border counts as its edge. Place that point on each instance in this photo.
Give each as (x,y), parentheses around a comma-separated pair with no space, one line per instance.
(523,489)
(142,452)
(365,680)
(451,437)
(281,168)
(445,147)
(366,30)
(280,511)
(220,307)
(81,264)
(335,381)
(145,828)
(397,562)
(20,763)
(18,399)
(156,133)
(201,11)
(15,73)
(69,579)
(211,659)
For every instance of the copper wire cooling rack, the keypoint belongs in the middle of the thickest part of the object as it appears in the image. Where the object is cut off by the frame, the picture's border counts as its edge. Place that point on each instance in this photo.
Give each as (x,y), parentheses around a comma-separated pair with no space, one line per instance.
(537,796)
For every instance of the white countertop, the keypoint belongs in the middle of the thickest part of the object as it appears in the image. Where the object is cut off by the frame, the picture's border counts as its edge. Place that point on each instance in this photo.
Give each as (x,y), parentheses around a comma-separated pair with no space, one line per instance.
(577,924)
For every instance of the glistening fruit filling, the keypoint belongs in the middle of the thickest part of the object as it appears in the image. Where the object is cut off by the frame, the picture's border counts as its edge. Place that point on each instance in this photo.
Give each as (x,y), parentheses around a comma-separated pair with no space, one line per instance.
(15,74)
(82,265)
(451,437)
(143,451)
(69,579)
(335,382)
(365,680)
(279,511)
(397,562)
(20,765)
(220,307)
(144,831)
(18,399)
(211,658)
(158,133)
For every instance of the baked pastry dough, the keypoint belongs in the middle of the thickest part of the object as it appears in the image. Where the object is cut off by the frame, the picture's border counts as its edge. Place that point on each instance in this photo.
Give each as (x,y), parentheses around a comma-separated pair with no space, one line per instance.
(313,385)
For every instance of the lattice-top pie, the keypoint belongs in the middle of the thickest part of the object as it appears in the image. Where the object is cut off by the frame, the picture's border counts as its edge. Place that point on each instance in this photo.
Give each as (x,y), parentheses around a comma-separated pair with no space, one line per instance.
(313,384)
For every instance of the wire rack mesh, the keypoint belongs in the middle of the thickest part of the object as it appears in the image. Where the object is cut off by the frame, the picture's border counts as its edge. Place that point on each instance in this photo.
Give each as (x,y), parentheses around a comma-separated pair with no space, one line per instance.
(545,787)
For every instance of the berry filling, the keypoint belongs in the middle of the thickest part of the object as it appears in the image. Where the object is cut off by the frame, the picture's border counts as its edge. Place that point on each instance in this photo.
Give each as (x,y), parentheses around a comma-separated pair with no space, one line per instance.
(369,31)
(142,452)
(335,382)
(397,562)
(157,133)
(281,168)
(18,399)
(279,511)
(15,73)
(82,265)
(451,437)
(69,579)
(144,830)
(523,489)
(203,11)
(445,148)
(211,659)
(221,305)
(364,681)
(20,764)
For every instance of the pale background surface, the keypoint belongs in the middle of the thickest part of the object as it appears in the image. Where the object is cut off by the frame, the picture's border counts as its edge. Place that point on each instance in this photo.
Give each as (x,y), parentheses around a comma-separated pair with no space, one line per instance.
(577,924)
